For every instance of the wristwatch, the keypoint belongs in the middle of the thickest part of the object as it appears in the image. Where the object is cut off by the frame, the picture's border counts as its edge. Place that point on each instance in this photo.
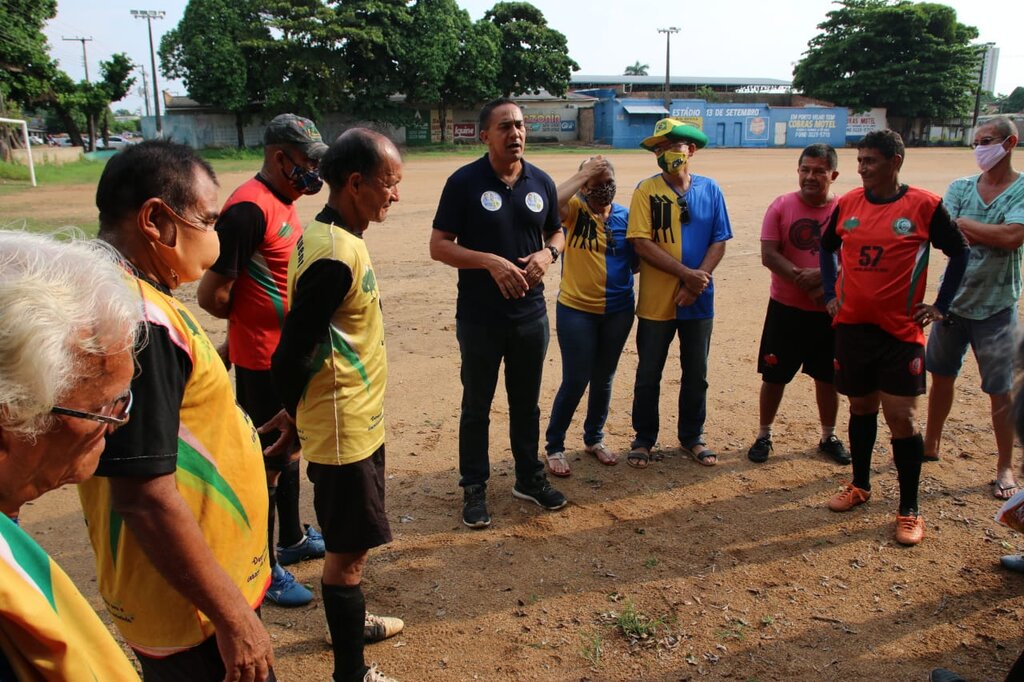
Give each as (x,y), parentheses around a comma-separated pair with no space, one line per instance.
(554,253)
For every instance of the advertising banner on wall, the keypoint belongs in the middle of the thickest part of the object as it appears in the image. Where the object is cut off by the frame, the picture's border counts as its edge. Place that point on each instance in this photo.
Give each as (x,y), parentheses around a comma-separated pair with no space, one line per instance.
(861,123)
(807,127)
(465,131)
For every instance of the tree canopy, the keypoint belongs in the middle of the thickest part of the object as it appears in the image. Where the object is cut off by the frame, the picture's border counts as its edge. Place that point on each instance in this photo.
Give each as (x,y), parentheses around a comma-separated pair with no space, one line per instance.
(218,51)
(636,69)
(1014,102)
(533,56)
(915,59)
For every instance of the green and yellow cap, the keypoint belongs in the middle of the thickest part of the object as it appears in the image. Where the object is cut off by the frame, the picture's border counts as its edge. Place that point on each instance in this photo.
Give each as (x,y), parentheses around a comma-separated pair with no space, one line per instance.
(676,131)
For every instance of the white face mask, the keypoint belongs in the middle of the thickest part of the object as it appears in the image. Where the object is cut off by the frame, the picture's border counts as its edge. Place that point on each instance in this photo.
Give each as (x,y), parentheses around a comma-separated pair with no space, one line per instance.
(988,155)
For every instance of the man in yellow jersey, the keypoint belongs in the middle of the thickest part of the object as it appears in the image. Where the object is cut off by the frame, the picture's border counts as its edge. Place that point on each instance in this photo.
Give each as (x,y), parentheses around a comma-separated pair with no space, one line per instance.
(330,370)
(177,514)
(678,225)
(70,319)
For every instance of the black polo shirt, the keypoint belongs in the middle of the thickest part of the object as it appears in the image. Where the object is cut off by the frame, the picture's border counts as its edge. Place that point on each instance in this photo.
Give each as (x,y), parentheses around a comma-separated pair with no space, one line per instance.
(487,215)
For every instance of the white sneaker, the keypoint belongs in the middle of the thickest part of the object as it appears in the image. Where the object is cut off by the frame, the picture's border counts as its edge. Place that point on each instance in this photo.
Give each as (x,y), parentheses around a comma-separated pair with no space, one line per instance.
(375,675)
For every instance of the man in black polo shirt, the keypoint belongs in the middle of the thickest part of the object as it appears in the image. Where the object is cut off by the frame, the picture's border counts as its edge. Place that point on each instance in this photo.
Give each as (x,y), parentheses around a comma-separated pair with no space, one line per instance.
(497,222)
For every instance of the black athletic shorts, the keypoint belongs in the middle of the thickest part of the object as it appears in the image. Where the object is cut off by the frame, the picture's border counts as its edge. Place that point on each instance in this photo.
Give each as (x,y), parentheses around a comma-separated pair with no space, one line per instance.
(869,359)
(349,503)
(793,338)
(254,390)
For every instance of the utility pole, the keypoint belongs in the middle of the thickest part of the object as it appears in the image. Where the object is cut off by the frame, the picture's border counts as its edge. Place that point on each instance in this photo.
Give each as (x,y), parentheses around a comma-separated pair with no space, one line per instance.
(85,62)
(149,15)
(668,36)
(144,90)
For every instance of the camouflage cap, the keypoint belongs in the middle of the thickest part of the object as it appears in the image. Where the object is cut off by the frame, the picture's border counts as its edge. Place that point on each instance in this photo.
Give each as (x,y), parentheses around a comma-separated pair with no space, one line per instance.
(297,131)
(676,131)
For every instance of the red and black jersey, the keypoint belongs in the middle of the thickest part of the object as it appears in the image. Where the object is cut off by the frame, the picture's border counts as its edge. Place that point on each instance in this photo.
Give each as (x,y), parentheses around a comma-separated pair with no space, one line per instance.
(883,257)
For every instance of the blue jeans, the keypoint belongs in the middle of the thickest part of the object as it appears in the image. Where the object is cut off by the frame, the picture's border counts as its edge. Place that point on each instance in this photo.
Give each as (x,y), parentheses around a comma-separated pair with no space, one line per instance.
(653,338)
(523,347)
(591,345)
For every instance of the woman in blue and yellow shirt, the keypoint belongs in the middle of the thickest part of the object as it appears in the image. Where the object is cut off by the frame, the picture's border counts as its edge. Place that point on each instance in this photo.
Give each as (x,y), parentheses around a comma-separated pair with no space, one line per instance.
(594,313)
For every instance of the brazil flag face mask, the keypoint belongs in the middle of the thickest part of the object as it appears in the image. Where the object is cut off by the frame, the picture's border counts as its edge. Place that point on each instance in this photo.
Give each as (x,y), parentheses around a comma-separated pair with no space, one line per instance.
(672,161)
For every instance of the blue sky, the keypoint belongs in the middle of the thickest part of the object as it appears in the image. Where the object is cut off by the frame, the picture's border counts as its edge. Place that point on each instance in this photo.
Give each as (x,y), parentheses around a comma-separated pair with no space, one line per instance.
(722,38)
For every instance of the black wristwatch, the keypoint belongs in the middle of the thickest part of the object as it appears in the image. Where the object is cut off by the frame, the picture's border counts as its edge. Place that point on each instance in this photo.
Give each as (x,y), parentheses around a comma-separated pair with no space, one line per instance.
(554,253)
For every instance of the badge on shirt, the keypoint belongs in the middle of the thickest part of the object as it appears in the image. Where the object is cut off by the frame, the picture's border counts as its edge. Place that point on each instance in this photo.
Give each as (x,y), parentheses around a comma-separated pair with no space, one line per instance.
(534,202)
(490,200)
(903,226)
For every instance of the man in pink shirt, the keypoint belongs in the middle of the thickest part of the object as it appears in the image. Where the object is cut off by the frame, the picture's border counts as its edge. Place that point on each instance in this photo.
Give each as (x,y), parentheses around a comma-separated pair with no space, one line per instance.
(797,329)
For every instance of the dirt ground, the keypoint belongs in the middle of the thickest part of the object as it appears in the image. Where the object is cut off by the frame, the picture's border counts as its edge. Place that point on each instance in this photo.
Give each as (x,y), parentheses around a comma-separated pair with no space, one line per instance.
(740,570)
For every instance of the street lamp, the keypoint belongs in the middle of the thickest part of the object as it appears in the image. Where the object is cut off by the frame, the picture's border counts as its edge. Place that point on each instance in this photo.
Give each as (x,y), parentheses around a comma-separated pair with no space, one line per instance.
(149,15)
(668,35)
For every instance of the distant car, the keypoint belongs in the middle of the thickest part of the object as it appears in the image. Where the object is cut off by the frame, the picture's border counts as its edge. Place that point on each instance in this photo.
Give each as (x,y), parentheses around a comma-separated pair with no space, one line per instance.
(36,140)
(113,142)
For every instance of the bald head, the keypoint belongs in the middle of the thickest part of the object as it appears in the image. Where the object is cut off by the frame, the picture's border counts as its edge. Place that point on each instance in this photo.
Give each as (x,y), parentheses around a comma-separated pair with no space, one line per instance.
(357,150)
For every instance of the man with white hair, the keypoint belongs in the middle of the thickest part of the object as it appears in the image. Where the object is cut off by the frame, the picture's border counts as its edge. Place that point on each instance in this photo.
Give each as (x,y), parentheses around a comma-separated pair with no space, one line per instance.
(989,209)
(69,321)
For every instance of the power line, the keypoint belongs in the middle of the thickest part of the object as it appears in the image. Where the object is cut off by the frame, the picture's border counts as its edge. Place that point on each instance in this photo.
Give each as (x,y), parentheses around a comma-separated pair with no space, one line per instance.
(85,57)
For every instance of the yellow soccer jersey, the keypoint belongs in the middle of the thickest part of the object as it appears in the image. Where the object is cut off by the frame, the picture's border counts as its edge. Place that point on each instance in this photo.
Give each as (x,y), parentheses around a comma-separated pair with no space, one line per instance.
(220,475)
(684,226)
(597,274)
(47,629)
(340,415)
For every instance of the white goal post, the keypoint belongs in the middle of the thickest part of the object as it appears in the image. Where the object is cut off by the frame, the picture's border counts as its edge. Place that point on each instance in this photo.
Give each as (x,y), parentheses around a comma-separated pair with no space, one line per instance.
(28,145)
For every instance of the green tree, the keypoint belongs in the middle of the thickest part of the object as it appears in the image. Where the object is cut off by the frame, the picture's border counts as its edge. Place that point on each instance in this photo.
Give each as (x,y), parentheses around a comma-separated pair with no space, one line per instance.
(915,59)
(219,51)
(1014,102)
(533,56)
(636,69)
(448,59)
(337,56)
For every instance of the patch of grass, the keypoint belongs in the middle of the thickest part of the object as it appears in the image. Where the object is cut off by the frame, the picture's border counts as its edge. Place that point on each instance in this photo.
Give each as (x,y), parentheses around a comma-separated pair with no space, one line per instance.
(651,563)
(592,647)
(83,171)
(635,624)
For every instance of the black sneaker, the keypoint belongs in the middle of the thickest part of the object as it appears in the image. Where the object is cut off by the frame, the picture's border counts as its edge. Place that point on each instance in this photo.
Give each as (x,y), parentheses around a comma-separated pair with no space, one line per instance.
(540,493)
(474,506)
(760,450)
(834,448)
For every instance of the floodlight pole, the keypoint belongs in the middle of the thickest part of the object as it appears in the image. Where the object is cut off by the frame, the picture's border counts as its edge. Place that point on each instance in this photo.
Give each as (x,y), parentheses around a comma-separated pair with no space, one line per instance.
(149,15)
(668,36)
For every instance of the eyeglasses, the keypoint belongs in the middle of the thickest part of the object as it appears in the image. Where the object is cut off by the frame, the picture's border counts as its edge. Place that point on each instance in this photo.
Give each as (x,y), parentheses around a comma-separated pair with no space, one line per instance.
(684,211)
(987,140)
(114,415)
(206,226)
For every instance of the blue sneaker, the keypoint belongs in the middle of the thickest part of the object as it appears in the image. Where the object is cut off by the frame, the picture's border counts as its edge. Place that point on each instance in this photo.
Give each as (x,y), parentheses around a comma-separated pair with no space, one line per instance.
(285,590)
(311,546)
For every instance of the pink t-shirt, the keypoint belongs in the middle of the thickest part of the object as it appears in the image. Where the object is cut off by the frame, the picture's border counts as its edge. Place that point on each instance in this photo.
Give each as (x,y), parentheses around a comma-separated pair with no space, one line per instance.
(797,227)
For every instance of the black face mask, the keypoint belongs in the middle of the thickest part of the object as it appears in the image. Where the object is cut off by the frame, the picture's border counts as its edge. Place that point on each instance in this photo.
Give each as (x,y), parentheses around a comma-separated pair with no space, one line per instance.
(304,181)
(601,195)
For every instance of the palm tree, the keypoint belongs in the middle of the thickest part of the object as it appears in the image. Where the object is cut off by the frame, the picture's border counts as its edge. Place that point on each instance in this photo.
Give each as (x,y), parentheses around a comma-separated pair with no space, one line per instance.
(637,69)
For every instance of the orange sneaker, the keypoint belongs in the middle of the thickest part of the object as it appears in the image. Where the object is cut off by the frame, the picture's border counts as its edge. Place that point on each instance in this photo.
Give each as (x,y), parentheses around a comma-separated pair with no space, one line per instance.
(849,498)
(909,529)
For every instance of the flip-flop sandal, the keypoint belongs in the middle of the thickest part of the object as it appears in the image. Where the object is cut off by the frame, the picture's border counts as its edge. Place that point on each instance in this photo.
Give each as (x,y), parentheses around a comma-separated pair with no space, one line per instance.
(639,458)
(930,458)
(1001,492)
(602,453)
(703,456)
(559,458)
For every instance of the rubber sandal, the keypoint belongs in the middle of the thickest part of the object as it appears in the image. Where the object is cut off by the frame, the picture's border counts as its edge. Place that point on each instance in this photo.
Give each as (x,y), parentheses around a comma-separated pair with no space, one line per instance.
(558,457)
(703,456)
(930,458)
(1001,492)
(602,453)
(639,458)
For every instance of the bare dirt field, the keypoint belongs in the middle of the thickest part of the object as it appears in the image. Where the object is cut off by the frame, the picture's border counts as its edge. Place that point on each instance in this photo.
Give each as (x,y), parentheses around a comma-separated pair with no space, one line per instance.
(741,569)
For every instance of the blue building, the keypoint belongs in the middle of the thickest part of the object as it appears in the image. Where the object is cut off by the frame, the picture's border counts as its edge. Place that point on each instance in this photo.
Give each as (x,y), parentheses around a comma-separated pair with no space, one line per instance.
(623,122)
